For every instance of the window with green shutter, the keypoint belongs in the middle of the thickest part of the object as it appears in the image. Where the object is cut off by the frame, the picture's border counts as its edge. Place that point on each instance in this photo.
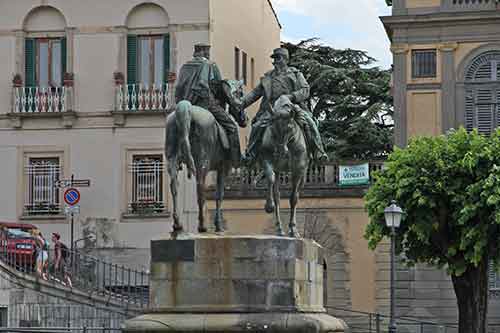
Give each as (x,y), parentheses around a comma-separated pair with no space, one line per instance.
(45,62)
(148,59)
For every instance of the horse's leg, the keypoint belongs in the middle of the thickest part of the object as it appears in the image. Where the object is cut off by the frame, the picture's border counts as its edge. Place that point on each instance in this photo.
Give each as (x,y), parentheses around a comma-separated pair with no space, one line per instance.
(297,180)
(219,198)
(277,216)
(172,171)
(200,192)
(271,178)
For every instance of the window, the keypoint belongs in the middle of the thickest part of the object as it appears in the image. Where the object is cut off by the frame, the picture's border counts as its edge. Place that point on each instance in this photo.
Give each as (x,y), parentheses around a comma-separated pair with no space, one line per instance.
(482,93)
(252,73)
(244,62)
(148,60)
(42,197)
(147,185)
(423,64)
(236,63)
(151,60)
(45,62)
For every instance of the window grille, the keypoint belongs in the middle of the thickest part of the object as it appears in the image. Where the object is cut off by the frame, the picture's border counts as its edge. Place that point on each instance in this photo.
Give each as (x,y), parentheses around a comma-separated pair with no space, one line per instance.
(423,64)
(147,177)
(42,197)
(493,277)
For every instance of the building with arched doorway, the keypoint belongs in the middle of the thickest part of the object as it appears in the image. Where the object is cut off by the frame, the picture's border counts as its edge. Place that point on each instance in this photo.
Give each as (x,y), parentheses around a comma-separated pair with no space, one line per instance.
(446,56)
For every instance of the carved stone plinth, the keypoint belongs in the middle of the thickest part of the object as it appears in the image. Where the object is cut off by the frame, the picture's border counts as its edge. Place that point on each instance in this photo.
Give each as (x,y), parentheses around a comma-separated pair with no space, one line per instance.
(236,284)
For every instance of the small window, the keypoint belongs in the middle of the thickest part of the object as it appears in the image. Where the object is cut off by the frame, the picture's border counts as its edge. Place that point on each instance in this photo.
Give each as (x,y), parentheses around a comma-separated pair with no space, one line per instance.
(151,60)
(244,62)
(42,197)
(237,63)
(147,180)
(423,64)
(252,73)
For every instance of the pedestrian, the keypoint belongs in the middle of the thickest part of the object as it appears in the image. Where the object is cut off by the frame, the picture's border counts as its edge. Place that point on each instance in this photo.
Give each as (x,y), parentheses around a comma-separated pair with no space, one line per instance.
(42,247)
(61,254)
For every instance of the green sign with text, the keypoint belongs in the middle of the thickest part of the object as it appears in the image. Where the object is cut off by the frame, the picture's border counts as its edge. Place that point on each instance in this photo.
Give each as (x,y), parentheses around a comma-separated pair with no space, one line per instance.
(350,175)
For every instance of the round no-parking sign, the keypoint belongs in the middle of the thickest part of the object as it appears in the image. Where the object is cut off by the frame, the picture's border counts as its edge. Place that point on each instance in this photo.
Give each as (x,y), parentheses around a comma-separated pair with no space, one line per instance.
(71,196)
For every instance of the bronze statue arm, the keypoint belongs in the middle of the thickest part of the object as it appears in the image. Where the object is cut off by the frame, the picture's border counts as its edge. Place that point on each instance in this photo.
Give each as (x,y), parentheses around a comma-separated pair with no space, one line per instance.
(252,96)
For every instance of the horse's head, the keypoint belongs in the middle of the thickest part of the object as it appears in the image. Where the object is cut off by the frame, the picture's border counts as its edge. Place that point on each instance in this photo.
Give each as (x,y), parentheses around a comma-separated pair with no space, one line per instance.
(283,124)
(233,93)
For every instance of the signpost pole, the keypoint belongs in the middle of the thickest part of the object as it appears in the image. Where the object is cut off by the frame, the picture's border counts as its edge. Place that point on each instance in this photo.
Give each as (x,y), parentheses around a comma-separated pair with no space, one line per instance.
(72,218)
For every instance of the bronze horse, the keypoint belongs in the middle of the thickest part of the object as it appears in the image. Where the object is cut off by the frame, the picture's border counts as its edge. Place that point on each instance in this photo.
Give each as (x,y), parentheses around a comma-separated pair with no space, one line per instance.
(283,149)
(194,138)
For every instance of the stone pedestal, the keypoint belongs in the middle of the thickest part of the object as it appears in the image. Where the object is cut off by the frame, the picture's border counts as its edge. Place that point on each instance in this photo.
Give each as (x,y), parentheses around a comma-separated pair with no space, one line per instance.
(211,283)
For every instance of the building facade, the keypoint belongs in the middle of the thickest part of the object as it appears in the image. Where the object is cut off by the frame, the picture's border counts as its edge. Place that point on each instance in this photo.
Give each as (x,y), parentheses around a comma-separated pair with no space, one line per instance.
(446,56)
(84,92)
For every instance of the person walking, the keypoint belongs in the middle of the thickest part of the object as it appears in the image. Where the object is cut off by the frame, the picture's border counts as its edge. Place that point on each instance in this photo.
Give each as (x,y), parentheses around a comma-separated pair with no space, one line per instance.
(42,247)
(61,255)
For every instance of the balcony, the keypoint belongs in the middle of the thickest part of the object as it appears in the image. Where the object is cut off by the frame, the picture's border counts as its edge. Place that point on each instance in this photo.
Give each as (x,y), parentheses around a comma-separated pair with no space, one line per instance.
(468,5)
(42,102)
(321,181)
(140,99)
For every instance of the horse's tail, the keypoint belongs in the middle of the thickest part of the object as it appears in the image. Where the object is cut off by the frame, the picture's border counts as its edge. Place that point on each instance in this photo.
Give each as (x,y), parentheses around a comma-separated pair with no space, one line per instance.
(183,124)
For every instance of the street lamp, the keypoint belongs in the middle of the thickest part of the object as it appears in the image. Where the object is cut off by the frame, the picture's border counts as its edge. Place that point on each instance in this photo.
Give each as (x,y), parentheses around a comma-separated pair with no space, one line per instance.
(393,215)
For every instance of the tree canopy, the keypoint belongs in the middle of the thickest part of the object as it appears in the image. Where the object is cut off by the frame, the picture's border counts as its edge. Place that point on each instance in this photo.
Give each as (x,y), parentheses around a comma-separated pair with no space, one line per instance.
(449,188)
(349,97)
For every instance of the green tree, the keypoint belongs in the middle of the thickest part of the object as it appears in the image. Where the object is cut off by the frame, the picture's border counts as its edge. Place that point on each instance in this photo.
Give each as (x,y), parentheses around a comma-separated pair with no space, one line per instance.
(449,188)
(349,97)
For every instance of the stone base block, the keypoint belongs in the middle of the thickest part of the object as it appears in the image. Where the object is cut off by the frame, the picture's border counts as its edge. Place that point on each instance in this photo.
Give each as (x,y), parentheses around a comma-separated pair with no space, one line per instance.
(236,322)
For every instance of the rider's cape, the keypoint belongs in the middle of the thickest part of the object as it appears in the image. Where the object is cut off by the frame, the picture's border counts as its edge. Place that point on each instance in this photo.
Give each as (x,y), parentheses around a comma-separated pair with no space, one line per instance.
(195,77)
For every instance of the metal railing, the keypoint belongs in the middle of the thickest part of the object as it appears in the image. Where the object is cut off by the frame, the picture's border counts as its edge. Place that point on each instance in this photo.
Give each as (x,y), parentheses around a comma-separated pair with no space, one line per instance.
(81,271)
(141,97)
(318,176)
(366,322)
(40,99)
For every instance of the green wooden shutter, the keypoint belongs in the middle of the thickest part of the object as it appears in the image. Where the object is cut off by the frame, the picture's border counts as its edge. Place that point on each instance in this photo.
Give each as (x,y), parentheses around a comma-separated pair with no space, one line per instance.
(166,56)
(131,59)
(29,62)
(64,55)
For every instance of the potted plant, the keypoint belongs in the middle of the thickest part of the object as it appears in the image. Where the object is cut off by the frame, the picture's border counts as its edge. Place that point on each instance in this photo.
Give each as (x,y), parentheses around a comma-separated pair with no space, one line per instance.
(119,78)
(69,79)
(17,81)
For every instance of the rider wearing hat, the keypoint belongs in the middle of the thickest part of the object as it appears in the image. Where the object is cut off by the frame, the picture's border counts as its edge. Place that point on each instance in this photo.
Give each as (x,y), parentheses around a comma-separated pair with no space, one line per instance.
(282,80)
(199,82)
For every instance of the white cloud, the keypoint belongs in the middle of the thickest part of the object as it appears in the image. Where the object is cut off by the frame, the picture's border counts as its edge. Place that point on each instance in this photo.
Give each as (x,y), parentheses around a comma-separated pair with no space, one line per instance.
(344,24)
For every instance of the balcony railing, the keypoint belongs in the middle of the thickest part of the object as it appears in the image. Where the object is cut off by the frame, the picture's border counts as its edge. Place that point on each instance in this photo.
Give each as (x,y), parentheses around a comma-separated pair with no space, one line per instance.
(140,97)
(469,5)
(41,99)
(318,179)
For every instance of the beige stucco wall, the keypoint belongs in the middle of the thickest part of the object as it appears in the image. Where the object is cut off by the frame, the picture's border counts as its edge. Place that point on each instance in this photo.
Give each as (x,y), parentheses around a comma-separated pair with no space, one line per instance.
(424,113)
(422,3)
(261,36)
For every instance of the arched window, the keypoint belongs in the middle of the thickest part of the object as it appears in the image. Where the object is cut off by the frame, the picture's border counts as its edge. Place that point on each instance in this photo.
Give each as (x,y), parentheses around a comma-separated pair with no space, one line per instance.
(482,93)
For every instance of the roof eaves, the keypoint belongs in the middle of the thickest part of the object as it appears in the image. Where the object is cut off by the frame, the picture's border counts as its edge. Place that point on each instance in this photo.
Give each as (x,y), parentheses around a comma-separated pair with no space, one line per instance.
(275,14)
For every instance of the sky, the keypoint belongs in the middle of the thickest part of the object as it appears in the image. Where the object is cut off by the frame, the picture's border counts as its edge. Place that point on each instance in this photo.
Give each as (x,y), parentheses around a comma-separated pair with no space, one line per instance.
(341,24)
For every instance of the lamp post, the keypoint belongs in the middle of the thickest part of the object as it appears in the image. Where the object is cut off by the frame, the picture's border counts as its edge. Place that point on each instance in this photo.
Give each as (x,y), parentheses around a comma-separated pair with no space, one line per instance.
(393,215)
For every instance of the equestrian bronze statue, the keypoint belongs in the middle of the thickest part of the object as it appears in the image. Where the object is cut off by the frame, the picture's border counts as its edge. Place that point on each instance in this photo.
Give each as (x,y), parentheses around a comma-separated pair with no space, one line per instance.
(202,133)
(284,135)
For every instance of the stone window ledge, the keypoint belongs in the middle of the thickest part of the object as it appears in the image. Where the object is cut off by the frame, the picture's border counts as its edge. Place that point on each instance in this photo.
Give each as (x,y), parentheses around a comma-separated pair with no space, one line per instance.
(120,117)
(128,217)
(67,118)
(44,218)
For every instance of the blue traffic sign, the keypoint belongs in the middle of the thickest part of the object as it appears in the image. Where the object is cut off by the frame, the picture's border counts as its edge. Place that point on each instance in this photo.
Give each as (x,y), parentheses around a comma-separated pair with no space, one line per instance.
(71,196)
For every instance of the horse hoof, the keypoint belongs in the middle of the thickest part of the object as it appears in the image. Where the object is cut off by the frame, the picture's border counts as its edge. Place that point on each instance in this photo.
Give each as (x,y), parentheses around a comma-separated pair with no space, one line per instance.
(202,230)
(177,228)
(294,234)
(269,208)
(280,233)
(219,229)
